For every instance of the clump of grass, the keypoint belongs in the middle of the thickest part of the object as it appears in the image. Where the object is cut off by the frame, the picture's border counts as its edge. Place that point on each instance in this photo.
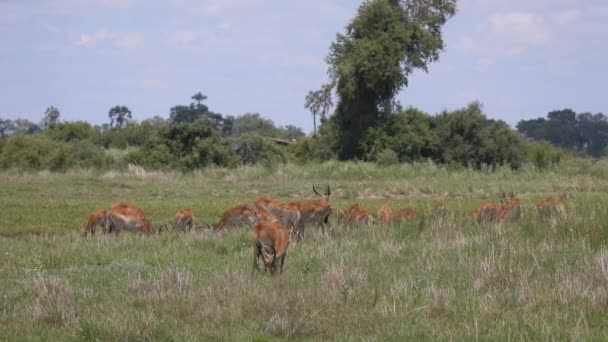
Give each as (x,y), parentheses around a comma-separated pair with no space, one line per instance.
(53,300)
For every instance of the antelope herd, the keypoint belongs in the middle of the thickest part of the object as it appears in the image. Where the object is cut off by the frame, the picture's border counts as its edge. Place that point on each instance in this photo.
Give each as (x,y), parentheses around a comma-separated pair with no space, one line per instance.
(273,224)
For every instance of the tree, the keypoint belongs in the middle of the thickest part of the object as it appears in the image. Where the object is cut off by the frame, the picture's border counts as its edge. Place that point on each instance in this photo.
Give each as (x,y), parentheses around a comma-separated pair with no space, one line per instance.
(119,115)
(6,128)
(24,126)
(585,132)
(319,102)
(253,123)
(371,62)
(51,117)
(199,97)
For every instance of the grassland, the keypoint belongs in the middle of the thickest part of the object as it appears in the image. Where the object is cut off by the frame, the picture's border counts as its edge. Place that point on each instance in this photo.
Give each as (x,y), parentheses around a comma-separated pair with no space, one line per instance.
(433,279)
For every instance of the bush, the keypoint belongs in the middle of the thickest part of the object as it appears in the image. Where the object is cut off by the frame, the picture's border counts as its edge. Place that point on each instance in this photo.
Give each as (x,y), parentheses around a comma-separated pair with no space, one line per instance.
(71,131)
(252,149)
(37,152)
(543,154)
(387,157)
(315,148)
(409,133)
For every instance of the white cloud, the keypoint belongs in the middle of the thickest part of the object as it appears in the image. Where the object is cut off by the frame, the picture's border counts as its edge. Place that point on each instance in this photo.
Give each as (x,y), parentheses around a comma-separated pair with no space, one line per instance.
(520,27)
(90,40)
(566,17)
(128,40)
(121,40)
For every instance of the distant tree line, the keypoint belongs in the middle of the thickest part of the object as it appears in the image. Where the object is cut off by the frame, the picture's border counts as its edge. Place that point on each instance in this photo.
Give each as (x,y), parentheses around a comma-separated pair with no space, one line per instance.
(582,132)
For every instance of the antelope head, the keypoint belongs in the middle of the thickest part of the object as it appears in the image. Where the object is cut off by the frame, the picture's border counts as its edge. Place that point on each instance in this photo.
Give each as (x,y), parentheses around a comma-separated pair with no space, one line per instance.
(327,193)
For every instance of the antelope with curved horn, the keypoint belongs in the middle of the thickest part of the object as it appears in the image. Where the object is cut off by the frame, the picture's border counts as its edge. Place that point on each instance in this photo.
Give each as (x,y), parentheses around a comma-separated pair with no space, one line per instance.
(316,211)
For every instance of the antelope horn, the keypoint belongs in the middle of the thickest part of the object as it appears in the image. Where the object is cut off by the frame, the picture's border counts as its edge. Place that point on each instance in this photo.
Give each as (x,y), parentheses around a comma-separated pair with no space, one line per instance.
(328,191)
(315,190)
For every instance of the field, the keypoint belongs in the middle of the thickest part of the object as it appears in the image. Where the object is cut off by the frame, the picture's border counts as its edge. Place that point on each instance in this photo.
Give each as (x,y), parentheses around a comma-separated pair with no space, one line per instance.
(433,279)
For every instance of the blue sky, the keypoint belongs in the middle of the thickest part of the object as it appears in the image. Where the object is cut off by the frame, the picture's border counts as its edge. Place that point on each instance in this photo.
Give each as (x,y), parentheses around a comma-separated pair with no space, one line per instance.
(520,58)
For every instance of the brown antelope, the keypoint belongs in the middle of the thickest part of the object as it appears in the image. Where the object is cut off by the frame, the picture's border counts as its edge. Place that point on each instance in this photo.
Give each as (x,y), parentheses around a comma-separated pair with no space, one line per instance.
(316,212)
(355,215)
(487,212)
(405,214)
(239,216)
(553,208)
(271,205)
(183,219)
(384,213)
(128,217)
(97,218)
(264,215)
(270,240)
(510,207)
(288,213)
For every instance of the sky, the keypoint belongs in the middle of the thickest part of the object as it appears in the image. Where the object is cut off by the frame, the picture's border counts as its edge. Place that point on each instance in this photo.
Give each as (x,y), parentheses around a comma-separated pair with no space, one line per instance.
(519,58)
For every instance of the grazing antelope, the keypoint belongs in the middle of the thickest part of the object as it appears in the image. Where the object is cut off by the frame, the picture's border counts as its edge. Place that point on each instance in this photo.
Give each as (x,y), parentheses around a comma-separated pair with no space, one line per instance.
(97,218)
(405,214)
(270,241)
(316,212)
(183,219)
(128,217)
(510,207)
(355,215)
(271,205)
(239,216)
(384,213)
(290,215)
(487,212)
(553,208)
(264,215)
(440,211)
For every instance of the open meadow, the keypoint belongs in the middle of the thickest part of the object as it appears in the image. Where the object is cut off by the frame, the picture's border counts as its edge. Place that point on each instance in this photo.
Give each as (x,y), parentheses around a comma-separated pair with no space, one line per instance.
(439,279)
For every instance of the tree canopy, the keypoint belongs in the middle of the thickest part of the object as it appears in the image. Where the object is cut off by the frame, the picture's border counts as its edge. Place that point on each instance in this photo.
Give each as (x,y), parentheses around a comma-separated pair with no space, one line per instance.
(372,61)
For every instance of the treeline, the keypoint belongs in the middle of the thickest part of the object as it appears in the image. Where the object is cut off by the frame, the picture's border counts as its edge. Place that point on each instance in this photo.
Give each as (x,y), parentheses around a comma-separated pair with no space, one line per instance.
(582,132)
(193,137)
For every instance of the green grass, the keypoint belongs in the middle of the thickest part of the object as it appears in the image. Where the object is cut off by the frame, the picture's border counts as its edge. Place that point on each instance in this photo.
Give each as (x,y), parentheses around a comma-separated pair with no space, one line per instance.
(439,280)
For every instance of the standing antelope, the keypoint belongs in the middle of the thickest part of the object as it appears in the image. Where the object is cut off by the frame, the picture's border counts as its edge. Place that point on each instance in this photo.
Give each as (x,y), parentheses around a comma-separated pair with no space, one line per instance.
(487,212)
(270,241)
(128,217)
(316,212)
(288,213)
(510,207)
(97,218)
(184,218)
(384,213)
(553,208)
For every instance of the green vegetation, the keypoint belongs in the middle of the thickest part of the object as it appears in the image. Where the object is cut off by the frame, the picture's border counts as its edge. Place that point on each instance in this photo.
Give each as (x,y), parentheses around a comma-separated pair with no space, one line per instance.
(433,279)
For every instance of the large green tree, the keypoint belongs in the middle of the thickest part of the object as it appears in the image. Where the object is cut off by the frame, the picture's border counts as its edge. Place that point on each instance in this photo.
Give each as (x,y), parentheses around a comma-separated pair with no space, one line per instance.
(372,61)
